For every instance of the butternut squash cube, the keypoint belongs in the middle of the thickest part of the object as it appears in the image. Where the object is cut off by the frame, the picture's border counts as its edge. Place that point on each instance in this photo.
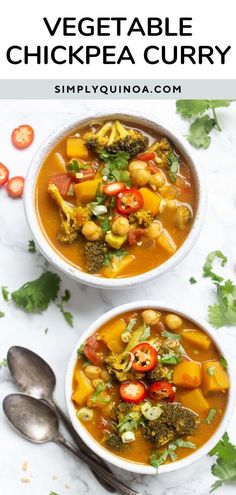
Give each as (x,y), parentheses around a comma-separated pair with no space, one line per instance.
(111,336)
(83,389)
(166,242)
(151,200)
(195,400)
(75,147)
(85,192)
(115,240)
(187,374)
(115,269)
(214,377)
(196,337)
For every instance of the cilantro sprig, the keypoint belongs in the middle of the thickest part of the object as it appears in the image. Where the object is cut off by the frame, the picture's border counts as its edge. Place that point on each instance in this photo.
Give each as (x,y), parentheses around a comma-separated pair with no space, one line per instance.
(36,295)
(156,460)
(173,165)
(225,465)
(201,127)
(66,314)
(116,166)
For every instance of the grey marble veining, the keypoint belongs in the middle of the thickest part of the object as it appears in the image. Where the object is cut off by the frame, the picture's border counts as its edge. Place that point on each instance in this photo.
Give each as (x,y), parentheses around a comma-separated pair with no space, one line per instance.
(49,468)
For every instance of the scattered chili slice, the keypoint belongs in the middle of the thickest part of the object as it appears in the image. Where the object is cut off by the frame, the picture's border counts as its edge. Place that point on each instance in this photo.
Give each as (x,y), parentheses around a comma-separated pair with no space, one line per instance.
(133,391)
(22,136)
(114,188)
(161,391)
(4,174)
(145,157)
(92,350)
(15,187)
(134,236)
(63,182)
(145,357)
(129,201)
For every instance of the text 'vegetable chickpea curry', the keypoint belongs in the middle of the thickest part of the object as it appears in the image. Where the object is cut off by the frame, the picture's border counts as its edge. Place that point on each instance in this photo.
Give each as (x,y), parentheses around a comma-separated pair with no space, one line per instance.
(115,200)
(150,386)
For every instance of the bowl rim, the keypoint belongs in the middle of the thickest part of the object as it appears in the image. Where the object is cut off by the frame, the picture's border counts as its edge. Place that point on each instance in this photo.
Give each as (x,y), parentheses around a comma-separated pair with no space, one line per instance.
(113,458)
(58,261)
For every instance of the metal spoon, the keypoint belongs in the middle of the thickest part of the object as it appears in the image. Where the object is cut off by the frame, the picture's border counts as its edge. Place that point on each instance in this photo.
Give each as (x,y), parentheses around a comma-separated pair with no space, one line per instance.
(35,377)
(38,423)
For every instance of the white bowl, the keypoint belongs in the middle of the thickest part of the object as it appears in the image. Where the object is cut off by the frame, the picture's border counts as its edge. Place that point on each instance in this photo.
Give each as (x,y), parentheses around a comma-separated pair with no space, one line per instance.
(106,454)
(48,251)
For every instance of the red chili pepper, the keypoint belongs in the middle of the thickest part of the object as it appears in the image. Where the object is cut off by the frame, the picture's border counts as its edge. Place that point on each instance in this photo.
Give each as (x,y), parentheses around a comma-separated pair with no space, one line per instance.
(15,187)
(152,167)
(92,350)
(145,157)
(22,136)
(114,188)
(63,182)
(133,391)
(161,391)
(4,174)
(134,235)
(145,357)
(129,201)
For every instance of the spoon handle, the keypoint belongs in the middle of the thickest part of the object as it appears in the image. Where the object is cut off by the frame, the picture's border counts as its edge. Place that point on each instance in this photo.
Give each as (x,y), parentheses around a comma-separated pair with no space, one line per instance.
(103,473)
(82,446)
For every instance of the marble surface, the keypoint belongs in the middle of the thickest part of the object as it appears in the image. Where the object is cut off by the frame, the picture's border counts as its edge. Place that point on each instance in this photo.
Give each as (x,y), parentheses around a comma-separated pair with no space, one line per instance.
(49,468)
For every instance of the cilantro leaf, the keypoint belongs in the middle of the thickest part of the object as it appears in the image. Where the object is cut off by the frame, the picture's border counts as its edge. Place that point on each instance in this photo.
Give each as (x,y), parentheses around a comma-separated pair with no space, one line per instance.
(3,363)
(199,132)
(66,314)
(173,165)
(192,281)
(170,358)
(31,247)
(146,333)
(225,466)
(76,166)
(189,108)
(108,257)
(36,295)
(156,461)
(223,312)
(2,314)
(207,267)
(116,166)
(224,362)
(170,335)
(80,351)
(5,294)
(211,415)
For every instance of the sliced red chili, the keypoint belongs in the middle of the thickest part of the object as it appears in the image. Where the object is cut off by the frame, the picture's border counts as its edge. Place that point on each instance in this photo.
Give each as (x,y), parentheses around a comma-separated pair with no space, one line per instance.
(114,188)
(63,182)
(134,235)
(4,174)
(92,350)
(133,391)
(22,136)
(161,391)
(145,157)
(129,201)
(15,187)
(145,357)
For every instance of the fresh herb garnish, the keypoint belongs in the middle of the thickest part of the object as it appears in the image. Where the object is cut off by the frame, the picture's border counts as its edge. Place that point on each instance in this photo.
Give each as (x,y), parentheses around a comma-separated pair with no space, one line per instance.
(36,295)
(224,362)
(156,461)
(211,415)
(129,422)
(100,388)
(225,466)
(131,324)
(146,333)
(116,166)
(66,314)
(80,351)
(173,165)
(5,294)
(170,358)
(192,280)
(105,224)
(207,267)
(211,370)
(201,127)
(108,257)
(75,166)
(46,331)
(3,363)
(31,247)
(170,335)
(2,314)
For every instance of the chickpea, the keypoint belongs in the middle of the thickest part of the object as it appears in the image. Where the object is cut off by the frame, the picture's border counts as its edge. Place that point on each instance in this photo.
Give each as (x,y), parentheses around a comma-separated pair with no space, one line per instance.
(141,177)
(173,321)
(157,180)
(137,165)
(120,226)
(92,371)
(154,230)
(171,204)
(92,231)
(150,316)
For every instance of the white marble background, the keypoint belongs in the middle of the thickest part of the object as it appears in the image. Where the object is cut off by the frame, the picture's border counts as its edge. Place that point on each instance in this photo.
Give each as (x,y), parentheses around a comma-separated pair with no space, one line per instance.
(51,469)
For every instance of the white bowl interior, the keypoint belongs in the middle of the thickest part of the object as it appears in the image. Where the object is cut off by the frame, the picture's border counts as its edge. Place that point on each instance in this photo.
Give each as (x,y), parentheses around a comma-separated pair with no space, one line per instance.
(114,459)
(57,260)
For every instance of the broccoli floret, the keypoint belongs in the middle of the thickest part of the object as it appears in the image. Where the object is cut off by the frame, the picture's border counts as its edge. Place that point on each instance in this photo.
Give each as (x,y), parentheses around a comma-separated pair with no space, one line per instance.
(118,366)
(142,217)
(95,255)
(174,422)
(69,229)
(158,374)
(114,137)
(115,443)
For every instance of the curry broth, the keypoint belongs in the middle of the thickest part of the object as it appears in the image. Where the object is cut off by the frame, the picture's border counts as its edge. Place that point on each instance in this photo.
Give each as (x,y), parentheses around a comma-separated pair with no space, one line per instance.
(139,451)
(147,257)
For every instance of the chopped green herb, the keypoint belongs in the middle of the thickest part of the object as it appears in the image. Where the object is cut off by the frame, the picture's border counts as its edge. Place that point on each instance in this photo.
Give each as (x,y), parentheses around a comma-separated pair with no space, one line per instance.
(86,363)
(156,461)
(211,370)
(173,164)
(170,335)
(199,132)
(3,363)
(66,314)
(53,493)
(105,224)
(207,267)
(31,247)
(2,314)
(130,421)
(36,295)
(76,166)
(5,294)
(80,351)
(211,415)
(225,465)
(224,362)
(46,330)
(170,358)
(183,444)
(108,258)
(131,324)
(116,166)
(100,388)
(192,280)
(146,333)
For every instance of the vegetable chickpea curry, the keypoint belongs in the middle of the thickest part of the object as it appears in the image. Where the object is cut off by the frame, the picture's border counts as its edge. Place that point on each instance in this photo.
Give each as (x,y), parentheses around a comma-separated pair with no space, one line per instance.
(115,200)
(150,386)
